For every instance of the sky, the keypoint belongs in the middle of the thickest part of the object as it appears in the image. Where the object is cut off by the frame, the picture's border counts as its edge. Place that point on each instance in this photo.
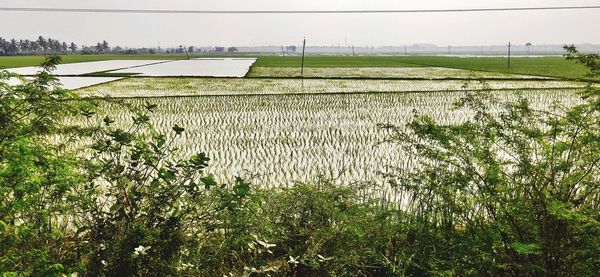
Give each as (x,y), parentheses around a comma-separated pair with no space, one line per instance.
(167,30)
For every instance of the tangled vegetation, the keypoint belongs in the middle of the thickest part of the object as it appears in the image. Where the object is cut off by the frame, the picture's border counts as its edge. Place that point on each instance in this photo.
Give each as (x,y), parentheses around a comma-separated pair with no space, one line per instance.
(513,191)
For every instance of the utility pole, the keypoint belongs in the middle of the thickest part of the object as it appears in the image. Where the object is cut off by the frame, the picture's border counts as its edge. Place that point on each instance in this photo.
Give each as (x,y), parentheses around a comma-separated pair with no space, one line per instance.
(282,53)
(509,54)
(303,49)
(352,50)
(186,52)
(405,53)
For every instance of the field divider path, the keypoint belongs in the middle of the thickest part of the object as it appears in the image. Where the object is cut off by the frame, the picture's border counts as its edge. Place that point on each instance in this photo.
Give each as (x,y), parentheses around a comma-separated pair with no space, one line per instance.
(409,78)
(334,78)
(333,93)
(130,67)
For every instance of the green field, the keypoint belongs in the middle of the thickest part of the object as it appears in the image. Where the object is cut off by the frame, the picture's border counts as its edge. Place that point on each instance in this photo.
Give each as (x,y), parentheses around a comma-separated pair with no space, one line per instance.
(539,66)
(334,61)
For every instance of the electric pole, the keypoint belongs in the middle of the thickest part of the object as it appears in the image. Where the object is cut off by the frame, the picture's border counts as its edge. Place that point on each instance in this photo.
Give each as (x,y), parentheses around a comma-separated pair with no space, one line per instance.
(186,52)
(282,53)
(509,54)
(303,50)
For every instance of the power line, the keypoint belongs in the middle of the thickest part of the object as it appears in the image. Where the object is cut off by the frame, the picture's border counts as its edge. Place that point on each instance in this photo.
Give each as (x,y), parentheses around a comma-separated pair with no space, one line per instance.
(152,11)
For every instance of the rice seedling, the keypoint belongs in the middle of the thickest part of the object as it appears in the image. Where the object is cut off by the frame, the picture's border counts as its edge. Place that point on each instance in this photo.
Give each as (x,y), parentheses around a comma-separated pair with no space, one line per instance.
(161,87)
(276,140)
(383,72)
(73,82)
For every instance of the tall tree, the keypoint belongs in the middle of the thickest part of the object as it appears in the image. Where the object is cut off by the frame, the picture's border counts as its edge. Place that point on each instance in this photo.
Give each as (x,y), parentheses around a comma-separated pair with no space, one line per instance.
(50,45)
(14,46)
(105,47)
(99,48)
(73,47)
(43,44)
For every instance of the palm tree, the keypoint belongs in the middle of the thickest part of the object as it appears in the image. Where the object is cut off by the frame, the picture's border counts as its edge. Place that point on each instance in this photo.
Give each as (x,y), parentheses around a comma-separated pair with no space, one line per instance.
(14,46)
(73,47)
(27,46)
(35,47)
(50,45)
(528,46)
(105,47)
(42,43)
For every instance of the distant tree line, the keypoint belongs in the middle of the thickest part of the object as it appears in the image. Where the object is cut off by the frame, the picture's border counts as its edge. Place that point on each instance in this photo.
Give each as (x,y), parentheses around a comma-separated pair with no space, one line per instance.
(221,49)
(41,45)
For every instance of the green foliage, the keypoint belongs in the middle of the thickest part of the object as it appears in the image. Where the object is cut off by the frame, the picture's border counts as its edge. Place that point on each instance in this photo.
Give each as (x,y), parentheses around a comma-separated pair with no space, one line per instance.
(522,184)
(512,191)
(590,61)
(35,175)
(305,230)
(139,203)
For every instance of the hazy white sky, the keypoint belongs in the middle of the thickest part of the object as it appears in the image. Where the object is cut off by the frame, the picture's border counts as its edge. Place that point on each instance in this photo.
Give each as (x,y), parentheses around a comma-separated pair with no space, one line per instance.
(538,27)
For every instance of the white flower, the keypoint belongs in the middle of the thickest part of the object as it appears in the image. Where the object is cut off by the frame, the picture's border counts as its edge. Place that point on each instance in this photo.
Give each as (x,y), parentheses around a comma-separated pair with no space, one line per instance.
(324,259)
(141,250)
(185,266)
(266,244)
(293,260)
(104,263)
(185,251)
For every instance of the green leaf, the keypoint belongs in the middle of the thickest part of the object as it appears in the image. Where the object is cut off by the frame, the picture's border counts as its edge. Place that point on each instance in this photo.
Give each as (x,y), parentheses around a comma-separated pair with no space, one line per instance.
(166,174)
(208,181)
(199,161)
(115,207)
(121,136)
(149,106)
(178,129)
(241,187)
(108,121)
(525,249)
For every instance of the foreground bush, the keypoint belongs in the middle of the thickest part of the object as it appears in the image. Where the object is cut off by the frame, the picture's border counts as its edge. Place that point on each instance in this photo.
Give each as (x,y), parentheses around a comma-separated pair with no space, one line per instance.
(514,192)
